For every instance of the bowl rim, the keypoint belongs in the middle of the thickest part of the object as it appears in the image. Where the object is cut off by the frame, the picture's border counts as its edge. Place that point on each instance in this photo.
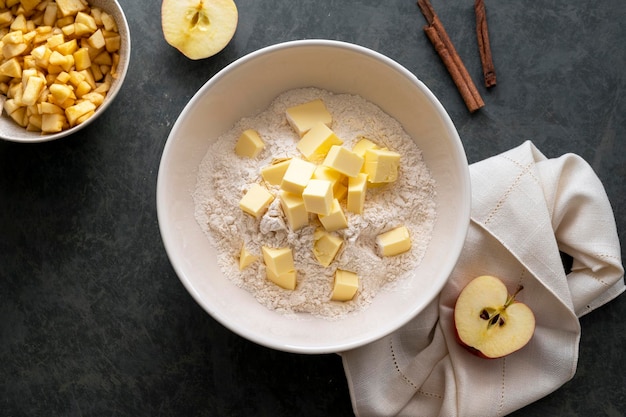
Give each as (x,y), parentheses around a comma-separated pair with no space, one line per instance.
(454,248)
(111,94)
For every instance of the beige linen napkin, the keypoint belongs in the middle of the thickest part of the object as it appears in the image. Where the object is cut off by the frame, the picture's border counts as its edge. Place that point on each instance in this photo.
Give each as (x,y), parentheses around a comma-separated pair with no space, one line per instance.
(525,209)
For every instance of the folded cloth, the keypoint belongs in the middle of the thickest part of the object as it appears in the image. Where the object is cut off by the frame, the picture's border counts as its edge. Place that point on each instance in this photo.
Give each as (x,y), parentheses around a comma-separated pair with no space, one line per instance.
(526,209)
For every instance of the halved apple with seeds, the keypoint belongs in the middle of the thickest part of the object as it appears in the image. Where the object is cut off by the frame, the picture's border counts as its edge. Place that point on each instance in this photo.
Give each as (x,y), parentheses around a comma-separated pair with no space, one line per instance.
(489,321)
(199,28)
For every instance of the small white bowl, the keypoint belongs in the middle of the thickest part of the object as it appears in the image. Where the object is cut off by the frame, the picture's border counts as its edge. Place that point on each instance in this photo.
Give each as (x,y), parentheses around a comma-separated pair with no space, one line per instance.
(248,86)
(11,131)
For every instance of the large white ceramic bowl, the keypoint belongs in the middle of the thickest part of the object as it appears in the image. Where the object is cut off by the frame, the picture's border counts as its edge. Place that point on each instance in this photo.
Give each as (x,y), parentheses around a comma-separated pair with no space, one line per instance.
(245,88)
(9,130)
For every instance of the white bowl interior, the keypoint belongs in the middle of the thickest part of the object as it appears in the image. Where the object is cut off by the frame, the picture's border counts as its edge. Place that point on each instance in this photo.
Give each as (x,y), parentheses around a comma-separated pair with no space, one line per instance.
(247,87)
(9,130)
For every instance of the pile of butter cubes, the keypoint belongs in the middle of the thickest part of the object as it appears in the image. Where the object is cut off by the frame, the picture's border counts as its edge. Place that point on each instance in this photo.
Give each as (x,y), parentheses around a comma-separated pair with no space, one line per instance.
(316,184)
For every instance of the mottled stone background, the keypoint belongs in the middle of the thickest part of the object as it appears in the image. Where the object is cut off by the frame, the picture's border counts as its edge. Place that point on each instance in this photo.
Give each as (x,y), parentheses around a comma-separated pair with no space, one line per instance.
(94,321)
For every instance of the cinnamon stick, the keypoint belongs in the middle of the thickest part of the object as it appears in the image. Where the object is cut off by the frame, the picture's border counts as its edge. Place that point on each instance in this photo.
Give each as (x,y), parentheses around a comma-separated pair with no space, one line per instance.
(484,48)
(438,36)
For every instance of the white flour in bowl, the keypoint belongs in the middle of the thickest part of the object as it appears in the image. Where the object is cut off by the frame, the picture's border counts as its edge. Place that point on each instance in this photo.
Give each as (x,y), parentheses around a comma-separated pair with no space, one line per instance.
(224,177)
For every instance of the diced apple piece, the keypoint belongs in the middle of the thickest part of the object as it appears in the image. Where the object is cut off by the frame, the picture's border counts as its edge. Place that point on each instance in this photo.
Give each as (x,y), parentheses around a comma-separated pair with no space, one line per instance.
(67,48)
(96,40)
(112,43)
(11,68)
(95,98)
(33,89)
(82,88)
(10,50)
(103,58)
(71,7)
(6,17)
(52,122)
(50,14)
(87,20)
(19,23)
(81,59)
(73,113)
(19,116)
(55,40)
(49,108)
(60,92)
(108,22)
(10,106)
(29,5)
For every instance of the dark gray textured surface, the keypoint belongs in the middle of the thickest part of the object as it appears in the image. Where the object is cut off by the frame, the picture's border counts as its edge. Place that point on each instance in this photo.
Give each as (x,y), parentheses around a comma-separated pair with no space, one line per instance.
(93,320)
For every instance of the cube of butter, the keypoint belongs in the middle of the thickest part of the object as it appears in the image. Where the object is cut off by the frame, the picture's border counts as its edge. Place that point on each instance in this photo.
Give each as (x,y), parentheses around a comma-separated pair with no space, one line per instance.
(294,209)
(256,200)
(304,116)
(278,260)
(345,285)
(274,172)
(286,280)
(335,220)
(325,246)
(363,145)
(318,196)
(381,165)
(343,160)
(297,176)
(340,191)
(357,187)
(249,144)
(394,242)
(246,258)
(316,143)
(325,173)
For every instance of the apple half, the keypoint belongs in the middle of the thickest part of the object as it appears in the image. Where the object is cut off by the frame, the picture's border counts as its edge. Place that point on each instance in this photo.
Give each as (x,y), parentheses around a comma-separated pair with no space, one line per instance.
(199,28)
(489,322)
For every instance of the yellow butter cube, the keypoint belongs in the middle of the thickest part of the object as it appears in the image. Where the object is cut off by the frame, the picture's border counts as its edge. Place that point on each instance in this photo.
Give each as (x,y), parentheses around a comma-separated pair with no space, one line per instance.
(318,196)
(274,172)
(316,143)
(278,260)
(363,145)
(297,176)
(343,160)
(256,200)
(249,144)
(325,246)
(335,219)
(304,116)
(394,242)
(246,258)
(294,209)
(357,187)
(345,285)
(381,165)
(340,191)
(286,280)
(326,173)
